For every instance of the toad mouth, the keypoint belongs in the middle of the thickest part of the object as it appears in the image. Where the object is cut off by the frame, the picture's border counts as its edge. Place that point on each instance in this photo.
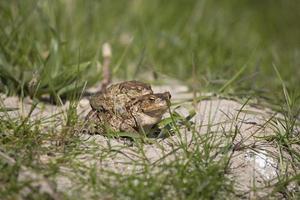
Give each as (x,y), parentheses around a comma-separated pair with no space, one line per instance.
(157,111)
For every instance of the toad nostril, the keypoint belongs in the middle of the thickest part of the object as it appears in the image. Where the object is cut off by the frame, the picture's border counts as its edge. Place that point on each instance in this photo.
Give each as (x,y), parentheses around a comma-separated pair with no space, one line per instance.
(169,95)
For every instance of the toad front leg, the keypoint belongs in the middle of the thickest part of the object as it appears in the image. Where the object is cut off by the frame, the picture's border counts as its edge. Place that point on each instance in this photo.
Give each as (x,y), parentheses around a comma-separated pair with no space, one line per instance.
(93,123)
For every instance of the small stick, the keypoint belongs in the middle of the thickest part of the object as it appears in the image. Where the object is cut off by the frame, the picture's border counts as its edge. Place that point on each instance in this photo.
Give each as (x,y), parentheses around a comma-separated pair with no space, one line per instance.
(106,53)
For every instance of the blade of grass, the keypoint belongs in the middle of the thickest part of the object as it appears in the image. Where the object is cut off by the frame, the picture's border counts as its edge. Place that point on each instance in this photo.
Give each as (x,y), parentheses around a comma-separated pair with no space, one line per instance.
(234,78)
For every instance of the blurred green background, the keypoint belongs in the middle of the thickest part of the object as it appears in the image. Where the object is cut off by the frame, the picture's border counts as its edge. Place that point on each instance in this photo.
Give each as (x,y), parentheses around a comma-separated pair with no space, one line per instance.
(55,45)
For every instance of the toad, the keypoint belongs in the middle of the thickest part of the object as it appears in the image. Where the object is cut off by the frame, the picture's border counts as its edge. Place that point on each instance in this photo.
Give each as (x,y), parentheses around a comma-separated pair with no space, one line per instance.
(129,106)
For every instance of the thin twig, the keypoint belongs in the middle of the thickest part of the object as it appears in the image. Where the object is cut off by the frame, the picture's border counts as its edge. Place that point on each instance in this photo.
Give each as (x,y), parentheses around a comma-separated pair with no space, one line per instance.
(106,53)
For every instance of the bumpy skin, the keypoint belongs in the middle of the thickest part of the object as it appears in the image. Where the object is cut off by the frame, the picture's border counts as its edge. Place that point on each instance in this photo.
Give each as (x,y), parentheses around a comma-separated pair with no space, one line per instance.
(148,110)
(128,107)
(117,95)
(100,122)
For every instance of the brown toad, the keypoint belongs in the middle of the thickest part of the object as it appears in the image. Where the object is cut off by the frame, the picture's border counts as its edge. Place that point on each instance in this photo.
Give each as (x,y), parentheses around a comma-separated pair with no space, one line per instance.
(116,96)
(127,107)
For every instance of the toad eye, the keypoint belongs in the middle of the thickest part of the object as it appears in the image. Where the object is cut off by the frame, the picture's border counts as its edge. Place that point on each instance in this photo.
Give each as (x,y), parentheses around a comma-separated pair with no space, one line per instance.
(152,98)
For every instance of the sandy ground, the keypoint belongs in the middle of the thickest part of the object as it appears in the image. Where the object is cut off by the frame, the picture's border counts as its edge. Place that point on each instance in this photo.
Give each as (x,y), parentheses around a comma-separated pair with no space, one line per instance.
(254,161)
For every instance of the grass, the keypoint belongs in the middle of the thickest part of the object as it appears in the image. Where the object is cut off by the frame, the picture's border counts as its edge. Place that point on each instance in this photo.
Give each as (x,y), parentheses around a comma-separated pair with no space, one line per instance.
(153,179)
(64,44)
(246,50)
(196,168)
